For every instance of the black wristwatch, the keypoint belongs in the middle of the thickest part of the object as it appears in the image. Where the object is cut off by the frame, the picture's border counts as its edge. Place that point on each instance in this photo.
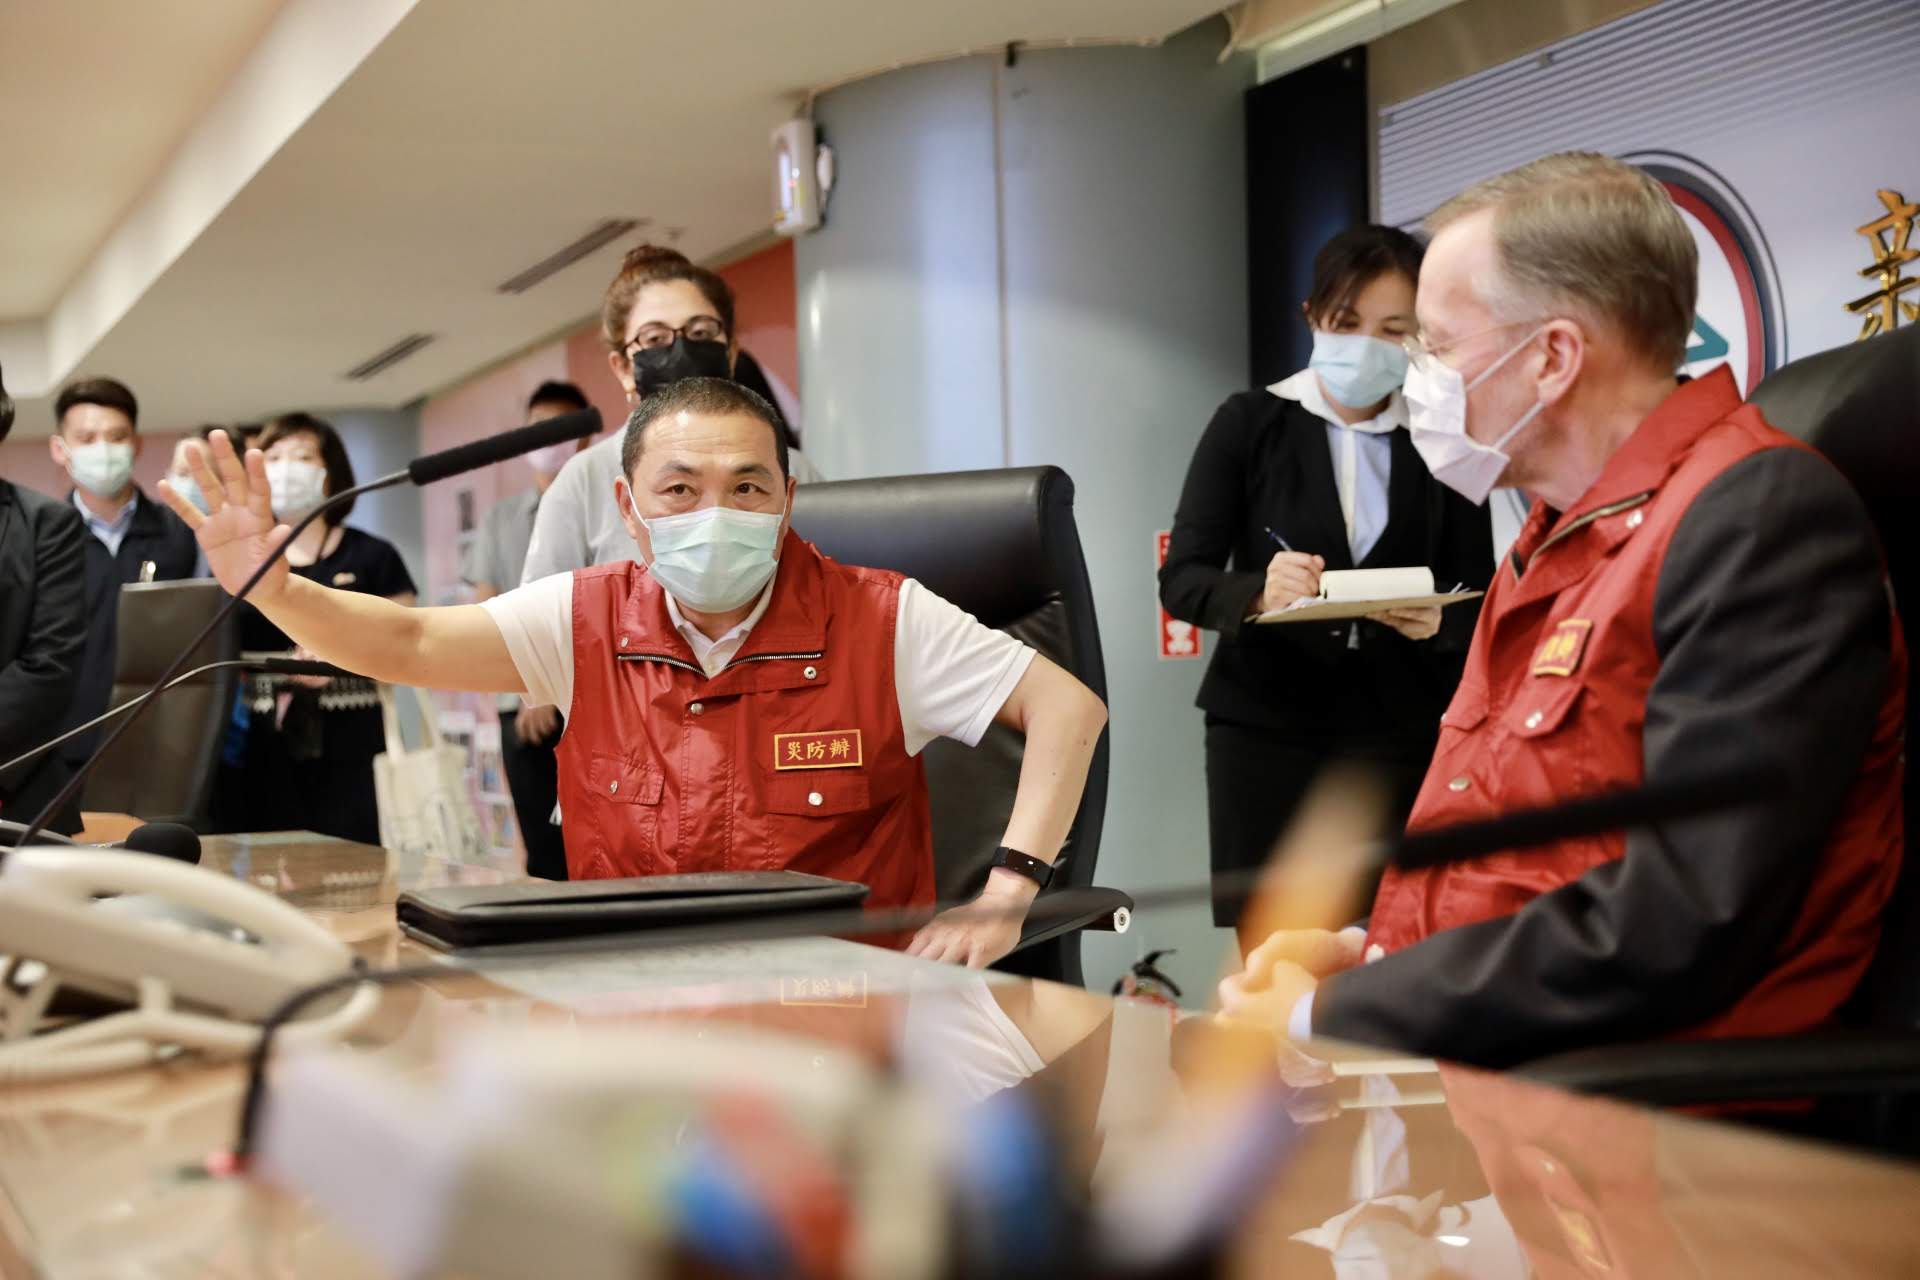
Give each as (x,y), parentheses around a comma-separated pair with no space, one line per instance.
(1041,873)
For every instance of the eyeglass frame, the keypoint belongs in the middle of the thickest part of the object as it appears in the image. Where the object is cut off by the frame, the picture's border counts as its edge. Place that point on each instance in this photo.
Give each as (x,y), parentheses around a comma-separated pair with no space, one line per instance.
(672,331)
(1419,351)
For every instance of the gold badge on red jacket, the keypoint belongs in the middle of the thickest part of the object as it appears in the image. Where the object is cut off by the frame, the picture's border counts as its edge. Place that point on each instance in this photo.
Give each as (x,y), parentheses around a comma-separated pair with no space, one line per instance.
(829,749)
(1560,653)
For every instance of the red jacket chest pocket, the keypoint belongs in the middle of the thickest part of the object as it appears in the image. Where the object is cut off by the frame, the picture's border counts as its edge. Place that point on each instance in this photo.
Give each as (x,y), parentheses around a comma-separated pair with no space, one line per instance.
(621,823)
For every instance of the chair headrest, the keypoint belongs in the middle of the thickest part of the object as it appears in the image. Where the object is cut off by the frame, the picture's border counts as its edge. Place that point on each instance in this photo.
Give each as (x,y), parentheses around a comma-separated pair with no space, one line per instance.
(985,540)
(157,619)
(1859,405)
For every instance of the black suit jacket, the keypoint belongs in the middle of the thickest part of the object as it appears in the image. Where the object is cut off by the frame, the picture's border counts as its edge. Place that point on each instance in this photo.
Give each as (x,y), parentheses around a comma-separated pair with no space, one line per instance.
(43,631)
(1264,462)
(156,535)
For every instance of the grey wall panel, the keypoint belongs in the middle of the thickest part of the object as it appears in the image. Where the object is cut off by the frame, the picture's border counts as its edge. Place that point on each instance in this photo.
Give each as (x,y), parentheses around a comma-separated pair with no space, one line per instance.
(1125,214)
(1046,263)
(899,308)
(379,442)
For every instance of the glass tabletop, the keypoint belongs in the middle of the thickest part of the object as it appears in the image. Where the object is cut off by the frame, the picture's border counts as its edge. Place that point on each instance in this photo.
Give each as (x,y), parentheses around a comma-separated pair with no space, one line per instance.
(1127,1138)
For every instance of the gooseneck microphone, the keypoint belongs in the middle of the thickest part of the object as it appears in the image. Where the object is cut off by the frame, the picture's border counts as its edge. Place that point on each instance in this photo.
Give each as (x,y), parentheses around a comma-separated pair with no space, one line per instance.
(435,466)
(163,839)
(268,665)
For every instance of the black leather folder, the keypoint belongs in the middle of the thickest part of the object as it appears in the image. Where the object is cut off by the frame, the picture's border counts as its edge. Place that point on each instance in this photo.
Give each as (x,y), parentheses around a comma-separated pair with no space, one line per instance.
(468,915)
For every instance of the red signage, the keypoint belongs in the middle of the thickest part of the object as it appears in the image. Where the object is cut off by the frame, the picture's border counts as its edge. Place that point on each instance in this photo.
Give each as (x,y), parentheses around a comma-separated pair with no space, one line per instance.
(1178,639)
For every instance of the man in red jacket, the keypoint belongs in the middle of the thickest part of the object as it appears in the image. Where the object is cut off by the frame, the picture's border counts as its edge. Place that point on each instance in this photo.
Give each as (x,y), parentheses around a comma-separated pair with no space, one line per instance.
(1691,589)
(737,702)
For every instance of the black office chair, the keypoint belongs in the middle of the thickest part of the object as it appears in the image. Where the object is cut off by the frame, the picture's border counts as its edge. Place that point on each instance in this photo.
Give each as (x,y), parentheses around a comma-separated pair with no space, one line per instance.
(1859,405)
(1003,546)
(162,770)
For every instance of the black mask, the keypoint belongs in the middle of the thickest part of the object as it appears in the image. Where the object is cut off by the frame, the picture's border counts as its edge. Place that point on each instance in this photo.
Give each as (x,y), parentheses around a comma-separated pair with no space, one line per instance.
(658,367)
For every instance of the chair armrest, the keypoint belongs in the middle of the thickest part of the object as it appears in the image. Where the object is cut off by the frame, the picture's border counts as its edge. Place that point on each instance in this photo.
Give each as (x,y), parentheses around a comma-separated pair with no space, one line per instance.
(1053,915)
(1693,1072)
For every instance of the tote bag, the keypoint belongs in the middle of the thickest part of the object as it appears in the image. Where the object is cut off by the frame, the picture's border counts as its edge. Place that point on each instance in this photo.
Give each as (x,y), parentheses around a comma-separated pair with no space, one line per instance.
(422,794)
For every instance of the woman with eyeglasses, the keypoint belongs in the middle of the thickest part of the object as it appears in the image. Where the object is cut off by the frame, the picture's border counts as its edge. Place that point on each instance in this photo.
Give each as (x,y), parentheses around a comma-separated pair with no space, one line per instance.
(663,319)
(1317,472)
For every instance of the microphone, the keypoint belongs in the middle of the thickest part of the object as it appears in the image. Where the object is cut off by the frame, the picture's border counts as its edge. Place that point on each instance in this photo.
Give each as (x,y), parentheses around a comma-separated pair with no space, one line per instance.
(577,425)
(162,839)
(269,665)
(435,466)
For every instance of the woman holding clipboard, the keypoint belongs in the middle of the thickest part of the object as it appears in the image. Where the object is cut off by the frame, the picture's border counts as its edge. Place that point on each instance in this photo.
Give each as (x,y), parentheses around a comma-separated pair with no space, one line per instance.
(1317,472)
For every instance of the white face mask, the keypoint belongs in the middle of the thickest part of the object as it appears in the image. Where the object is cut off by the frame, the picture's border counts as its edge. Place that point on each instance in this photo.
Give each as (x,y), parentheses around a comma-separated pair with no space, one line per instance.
(1437,419)
(549,460)
(101,468)
(716,558)
(295,487)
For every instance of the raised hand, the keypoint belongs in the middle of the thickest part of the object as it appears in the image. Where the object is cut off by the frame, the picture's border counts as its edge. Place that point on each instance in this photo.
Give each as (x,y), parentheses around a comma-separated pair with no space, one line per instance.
(237,532)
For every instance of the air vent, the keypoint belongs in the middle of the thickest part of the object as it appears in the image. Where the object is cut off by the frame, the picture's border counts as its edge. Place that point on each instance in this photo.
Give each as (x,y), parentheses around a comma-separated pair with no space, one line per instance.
(391,356)
(602,235)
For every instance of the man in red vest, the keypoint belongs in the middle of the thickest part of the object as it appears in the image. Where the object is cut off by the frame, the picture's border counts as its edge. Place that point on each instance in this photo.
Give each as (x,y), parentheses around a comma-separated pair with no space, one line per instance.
(1691,589)
(739,701)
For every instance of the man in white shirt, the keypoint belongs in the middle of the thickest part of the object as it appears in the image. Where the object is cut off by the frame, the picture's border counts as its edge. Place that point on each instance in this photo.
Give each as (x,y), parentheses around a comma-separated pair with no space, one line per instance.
(737,702)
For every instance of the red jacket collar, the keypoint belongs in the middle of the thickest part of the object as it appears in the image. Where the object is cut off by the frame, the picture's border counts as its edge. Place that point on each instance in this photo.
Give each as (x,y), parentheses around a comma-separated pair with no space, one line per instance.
(795,620)
(1643,462)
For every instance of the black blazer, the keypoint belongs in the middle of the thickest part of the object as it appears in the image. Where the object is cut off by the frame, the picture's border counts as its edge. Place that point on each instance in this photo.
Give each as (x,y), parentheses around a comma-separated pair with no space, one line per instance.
(1264,461)
(157,535)
(43,629)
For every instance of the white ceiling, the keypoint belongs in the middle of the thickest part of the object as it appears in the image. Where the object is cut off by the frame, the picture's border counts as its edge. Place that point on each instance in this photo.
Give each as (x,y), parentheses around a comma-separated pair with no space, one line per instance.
(460,142)
(94,96)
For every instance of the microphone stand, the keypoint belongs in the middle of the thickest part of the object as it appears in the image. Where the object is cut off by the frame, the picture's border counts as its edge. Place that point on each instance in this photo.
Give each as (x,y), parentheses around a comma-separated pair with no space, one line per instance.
(421,471)
(113,713)
(72,787)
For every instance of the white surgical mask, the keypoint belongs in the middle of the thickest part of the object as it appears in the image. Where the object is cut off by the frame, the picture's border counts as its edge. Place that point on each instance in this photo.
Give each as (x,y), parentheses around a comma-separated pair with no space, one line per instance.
(716,558)
(549,460)
(295,487)
(1437,419)
(102,468)
(1355,369)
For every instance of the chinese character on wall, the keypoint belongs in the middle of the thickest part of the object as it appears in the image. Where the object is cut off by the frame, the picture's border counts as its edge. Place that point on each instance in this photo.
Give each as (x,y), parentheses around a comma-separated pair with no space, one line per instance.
(1881,310)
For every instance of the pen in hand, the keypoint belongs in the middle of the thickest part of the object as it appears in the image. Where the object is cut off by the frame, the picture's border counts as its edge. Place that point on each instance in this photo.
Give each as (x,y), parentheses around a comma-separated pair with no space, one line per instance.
(1284,545)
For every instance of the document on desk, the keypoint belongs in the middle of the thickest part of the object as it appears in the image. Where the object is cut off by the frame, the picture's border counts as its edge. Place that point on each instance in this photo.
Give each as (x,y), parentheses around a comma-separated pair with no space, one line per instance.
(1360,593)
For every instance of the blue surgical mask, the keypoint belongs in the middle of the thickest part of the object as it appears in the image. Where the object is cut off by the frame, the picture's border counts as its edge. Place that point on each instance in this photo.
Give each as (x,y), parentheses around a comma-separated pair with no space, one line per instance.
(716,558)
(1357,370)
(189,488)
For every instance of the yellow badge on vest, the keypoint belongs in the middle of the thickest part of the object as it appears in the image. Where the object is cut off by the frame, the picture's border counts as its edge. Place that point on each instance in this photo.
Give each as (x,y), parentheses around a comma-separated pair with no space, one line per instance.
(833,749)
(1561,651)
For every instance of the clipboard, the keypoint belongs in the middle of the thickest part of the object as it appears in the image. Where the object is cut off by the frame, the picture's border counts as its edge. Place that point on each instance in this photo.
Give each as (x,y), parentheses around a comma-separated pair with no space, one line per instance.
(1338,610)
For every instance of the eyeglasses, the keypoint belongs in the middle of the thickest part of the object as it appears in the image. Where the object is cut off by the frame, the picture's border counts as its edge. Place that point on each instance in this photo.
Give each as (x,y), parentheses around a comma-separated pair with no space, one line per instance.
(699,329)
(1422,353)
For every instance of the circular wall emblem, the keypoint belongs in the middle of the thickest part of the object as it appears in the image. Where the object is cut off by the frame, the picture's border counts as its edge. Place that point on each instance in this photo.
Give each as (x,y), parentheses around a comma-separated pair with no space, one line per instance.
(1738,320)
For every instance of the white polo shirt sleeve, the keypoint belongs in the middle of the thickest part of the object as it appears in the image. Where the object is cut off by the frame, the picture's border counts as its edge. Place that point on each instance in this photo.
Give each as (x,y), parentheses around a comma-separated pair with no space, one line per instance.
(536,621)
(952,673)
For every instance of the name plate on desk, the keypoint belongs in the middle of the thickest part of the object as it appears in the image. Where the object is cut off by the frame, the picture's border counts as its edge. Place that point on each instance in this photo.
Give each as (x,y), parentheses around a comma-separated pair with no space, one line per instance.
(470,915)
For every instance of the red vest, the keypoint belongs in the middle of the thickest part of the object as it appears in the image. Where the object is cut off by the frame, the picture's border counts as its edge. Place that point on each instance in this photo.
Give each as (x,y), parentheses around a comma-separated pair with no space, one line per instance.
(1553,702)
(792,757)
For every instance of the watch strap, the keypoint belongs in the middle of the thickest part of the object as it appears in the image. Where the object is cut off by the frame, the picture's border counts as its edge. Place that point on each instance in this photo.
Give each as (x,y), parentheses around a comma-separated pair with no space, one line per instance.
(1024,864)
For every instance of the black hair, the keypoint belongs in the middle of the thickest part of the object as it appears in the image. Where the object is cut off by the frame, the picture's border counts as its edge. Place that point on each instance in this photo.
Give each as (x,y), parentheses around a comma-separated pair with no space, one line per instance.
(699,395)
(6,408)
(105,392)
(333,453)
(1355,258)
(747,372)
(555,392)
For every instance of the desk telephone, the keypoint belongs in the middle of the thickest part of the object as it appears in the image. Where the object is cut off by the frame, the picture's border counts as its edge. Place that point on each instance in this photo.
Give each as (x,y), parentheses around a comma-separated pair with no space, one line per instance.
(110,961)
